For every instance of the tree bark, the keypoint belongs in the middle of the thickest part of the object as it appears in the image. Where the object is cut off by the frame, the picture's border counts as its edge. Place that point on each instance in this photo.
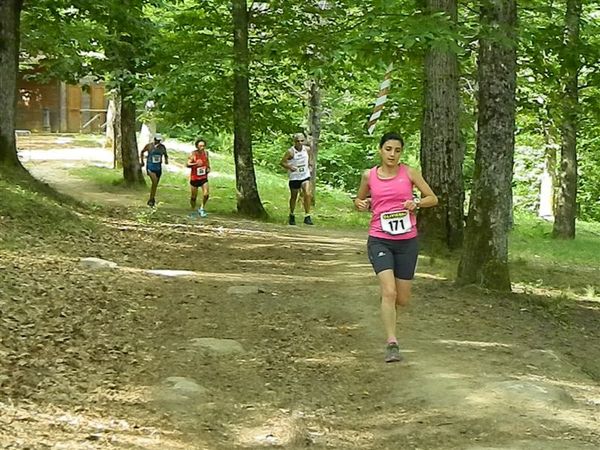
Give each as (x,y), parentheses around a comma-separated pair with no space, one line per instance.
(485,257)
(10,13)
(566,206)
(548,177)
(248,199)
(442,153)
(132,171)
(117,135)
(314,120)
(109,135)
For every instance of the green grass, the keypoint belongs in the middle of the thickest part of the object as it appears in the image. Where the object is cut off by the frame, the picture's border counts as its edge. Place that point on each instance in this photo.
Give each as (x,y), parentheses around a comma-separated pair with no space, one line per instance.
(334,208)
(532,239)
(29,217)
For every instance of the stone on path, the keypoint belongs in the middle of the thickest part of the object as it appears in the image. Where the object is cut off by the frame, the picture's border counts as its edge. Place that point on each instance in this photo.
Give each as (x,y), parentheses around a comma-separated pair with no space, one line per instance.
(97,263)
(178,391)
(220,346)
(171,273)
(184,386)
(244,290)
(524,391)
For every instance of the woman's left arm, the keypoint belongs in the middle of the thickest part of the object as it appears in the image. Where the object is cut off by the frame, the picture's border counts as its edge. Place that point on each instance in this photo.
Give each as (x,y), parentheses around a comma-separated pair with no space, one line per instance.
(428,197)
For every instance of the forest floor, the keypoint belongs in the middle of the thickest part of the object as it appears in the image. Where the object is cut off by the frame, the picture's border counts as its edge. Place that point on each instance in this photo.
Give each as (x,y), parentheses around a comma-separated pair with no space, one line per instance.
(266,335)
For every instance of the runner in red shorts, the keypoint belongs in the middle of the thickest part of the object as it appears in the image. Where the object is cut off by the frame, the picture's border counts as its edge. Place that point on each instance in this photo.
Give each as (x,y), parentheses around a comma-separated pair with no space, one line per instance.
(199,164)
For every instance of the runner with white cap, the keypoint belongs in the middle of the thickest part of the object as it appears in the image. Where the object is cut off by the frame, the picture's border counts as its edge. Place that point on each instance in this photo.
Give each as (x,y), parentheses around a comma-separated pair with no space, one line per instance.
(156,152)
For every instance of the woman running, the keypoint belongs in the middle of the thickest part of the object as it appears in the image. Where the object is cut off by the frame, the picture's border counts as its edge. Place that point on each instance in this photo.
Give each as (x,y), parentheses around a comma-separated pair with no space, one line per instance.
(387,191)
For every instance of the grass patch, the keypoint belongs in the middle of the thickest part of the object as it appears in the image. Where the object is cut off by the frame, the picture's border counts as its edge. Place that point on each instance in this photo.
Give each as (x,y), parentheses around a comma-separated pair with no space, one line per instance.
(334,208)
(29,217)
(568,268)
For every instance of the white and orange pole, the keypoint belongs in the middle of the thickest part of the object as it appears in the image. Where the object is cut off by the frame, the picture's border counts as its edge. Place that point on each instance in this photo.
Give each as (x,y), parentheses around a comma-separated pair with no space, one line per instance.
(384,90)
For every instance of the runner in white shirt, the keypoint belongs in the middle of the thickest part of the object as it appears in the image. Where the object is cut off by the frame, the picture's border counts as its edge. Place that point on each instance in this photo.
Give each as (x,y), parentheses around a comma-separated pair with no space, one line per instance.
(298,161)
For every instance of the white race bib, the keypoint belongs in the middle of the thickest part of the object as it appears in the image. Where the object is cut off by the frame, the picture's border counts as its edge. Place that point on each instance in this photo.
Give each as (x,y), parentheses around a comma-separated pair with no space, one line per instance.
(156,159)
(200,171)
(396,222)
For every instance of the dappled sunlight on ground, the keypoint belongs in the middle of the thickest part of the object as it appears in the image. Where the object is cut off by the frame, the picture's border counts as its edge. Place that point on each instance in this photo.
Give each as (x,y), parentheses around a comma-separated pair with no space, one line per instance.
(86,352)
(50,426)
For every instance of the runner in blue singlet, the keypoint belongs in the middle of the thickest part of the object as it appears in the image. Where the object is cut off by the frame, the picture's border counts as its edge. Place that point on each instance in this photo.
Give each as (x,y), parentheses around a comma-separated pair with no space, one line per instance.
(156,152)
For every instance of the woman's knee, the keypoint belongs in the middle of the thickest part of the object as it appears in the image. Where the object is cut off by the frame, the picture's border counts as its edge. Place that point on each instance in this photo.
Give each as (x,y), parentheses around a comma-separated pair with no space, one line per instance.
(402,299)
(403,293)
(388,294)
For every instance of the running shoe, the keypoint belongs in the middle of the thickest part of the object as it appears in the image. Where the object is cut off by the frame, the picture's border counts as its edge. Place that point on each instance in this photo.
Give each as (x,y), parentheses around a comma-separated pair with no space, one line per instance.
(392,353)
(151,203)
(292,220)
(308,221)
(202,213)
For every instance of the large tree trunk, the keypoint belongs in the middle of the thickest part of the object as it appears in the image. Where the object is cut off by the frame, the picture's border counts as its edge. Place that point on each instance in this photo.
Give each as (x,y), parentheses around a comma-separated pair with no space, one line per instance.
(132,171)
(566,206)
(10,13)
(548,177)
(314,121)
(109,134)
(117,134)
(485,257)
(441,151)
(248,199)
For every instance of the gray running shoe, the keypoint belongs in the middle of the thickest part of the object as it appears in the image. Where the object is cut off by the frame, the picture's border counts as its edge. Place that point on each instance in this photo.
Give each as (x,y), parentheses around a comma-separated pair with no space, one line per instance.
(308,221)
(392,353)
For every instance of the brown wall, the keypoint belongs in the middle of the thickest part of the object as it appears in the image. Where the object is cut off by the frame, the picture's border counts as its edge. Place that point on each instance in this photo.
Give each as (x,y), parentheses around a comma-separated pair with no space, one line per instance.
(35,98)
(32,99)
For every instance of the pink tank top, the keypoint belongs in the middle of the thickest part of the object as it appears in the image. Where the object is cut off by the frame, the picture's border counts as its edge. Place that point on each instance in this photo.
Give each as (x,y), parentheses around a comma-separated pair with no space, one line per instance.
(389,219)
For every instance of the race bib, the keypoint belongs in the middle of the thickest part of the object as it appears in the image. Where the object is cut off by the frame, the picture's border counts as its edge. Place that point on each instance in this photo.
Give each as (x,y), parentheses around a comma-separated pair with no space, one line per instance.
(396,222)
(200,171)
(156,159)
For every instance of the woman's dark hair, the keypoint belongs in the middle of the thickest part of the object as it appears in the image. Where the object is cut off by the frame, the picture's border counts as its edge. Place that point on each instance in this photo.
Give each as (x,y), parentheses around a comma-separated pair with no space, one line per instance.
(391,136)
(199,140)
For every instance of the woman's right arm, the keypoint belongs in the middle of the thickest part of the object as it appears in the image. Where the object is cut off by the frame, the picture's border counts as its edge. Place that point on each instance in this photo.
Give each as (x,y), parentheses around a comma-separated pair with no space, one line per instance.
(361,202)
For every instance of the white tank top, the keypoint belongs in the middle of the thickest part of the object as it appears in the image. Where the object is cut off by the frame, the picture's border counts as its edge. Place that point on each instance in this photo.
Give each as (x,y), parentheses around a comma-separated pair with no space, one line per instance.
(299,160)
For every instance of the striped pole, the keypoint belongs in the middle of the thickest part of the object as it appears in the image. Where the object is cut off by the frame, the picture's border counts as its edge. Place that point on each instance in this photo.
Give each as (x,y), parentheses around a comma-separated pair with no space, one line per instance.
(384,89)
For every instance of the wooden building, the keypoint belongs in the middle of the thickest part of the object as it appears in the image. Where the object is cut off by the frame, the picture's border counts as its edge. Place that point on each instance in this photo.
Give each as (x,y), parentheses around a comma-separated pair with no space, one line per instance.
(58,107)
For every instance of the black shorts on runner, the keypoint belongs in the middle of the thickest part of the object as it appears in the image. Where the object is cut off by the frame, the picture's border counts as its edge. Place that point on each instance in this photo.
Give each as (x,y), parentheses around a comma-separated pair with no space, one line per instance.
(198,183)
(399,255)
(297,184)
(158,173)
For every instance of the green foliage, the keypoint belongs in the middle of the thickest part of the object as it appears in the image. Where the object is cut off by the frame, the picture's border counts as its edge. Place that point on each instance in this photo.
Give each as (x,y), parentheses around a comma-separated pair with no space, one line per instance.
(179,54)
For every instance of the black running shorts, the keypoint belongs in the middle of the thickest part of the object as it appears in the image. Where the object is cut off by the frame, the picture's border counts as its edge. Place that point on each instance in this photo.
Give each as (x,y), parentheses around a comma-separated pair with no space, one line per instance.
(158,173)
(198,183)
(297,184)
(399,255)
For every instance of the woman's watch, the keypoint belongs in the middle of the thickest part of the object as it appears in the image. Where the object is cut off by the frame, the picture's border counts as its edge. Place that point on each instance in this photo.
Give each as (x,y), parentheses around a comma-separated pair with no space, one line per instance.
(417,201)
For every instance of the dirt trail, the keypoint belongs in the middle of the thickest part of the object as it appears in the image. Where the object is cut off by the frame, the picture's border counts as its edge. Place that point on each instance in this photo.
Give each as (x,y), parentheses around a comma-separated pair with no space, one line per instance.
(481,371)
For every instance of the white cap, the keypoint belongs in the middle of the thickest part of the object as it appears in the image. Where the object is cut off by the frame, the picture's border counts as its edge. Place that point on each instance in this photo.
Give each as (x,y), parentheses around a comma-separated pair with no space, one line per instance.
(158,137)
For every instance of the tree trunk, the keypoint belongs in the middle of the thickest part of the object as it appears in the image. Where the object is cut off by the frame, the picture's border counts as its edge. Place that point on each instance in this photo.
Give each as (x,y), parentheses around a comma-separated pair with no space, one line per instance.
(442,153)
(117,135)
(566,207)
(132,171)
(485,257)
(10,13)
(314,120)
(148,126)
(548,177)
(248,199)
(109,135)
